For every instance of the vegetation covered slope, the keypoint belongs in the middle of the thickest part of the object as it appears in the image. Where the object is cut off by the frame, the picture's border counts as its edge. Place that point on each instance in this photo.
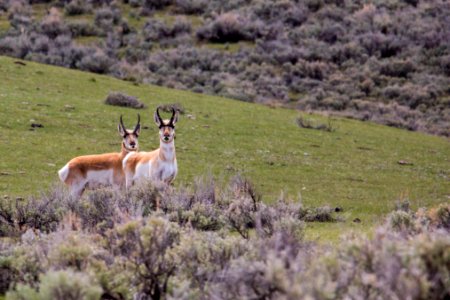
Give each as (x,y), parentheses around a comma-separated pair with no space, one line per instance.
(355,167)
(114,245)
(384,61)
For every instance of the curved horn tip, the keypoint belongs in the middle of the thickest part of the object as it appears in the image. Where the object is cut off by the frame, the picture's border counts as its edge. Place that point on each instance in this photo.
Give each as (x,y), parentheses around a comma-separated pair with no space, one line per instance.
(157,112)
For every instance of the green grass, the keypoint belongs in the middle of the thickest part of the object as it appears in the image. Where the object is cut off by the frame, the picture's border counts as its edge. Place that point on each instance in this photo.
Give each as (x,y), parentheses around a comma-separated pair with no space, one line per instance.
(355,167)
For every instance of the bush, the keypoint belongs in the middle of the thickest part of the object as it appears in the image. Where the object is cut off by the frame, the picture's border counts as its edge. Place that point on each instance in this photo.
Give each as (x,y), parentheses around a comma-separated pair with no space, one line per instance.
(106,18)
(76,7)
(15,46)
(42,214)
(148,249)
(114,244)
(96,61)
(191,7)
(82,28)
(7,274)
(401,221)
(52,25)
(148,6)
(60,285)
(229,27)
(305,123)
(120,99)
(155,30)
(397,68)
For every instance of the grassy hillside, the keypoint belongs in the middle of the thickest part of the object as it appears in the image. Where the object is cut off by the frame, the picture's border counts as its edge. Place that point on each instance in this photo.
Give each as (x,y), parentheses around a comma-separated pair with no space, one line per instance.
(381,61)
(355,167)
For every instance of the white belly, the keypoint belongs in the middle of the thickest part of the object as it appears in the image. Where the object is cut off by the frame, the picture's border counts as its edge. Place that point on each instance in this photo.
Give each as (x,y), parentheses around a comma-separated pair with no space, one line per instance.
(142,170)
(100,178)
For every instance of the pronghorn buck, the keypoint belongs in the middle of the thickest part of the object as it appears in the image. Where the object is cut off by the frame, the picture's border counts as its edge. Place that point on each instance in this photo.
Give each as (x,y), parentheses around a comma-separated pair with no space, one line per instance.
(91,171)
(160,164)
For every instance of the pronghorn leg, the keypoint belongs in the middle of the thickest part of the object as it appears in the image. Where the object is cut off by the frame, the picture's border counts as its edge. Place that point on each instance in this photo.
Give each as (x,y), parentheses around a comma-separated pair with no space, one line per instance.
(77,190)
(128,180)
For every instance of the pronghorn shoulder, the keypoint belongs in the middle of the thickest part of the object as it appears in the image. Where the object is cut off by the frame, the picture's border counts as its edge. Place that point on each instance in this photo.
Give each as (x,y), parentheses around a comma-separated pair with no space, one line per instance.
(139,157)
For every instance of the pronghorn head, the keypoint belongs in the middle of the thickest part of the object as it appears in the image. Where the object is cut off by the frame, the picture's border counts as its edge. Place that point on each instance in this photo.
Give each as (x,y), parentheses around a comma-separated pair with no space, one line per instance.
(167,126)
(130,137)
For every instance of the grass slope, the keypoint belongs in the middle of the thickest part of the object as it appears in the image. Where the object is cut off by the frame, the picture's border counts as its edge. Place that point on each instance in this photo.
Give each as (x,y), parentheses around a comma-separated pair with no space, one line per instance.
(354,167)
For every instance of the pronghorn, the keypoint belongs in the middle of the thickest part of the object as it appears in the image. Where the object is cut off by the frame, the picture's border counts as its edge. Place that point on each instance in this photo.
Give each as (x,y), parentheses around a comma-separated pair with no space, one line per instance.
(160,164)
(90,171)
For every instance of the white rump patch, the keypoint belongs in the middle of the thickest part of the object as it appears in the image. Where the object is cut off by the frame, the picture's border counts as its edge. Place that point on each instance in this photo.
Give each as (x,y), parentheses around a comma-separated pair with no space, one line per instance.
(63,173)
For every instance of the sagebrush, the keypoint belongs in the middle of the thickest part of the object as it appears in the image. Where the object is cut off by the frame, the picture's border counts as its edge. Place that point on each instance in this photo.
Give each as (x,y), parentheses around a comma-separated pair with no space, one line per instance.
(114,245)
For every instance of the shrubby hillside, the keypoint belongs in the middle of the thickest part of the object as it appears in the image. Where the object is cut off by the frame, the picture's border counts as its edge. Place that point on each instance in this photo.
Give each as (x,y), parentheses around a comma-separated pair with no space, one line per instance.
(384,61)
(211,243)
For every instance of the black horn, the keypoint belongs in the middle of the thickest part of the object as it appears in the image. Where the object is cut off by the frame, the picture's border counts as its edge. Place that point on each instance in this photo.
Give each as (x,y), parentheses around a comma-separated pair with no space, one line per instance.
(138,125)
(173,115)
(157,113)
(121,124)
(158,118)
(122,129)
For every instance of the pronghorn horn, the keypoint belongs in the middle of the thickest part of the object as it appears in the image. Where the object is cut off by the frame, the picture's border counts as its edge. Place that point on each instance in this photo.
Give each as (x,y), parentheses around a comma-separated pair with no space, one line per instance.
(123,126)
(138,125)
(159,117)
(173,115)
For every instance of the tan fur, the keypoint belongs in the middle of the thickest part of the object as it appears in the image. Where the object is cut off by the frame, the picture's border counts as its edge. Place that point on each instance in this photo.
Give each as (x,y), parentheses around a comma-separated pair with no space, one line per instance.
(79,166)
(140,157)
